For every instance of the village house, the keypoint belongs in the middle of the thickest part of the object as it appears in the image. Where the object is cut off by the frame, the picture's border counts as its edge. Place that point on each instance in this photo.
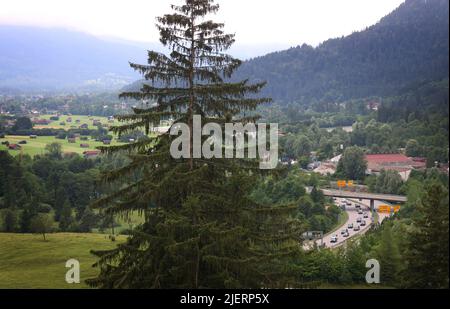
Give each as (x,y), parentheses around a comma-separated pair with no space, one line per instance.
(14,147)
(394,162)
(42,122)
(91,154)
(328,167)
(84,126)
(84,145)
(373,105)
(378,162)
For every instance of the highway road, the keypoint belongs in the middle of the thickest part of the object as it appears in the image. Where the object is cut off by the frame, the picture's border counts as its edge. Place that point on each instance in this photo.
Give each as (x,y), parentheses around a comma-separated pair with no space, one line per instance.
(381,216)
(353,215)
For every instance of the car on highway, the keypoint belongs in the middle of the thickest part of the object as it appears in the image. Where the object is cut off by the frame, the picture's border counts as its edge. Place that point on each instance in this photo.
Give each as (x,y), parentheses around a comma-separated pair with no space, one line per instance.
(334,239)
(357,228)
(350,226)
(360,212)
(348,203)
(358,220)
(366,215)
(357,206)
(363,223)
(346,235)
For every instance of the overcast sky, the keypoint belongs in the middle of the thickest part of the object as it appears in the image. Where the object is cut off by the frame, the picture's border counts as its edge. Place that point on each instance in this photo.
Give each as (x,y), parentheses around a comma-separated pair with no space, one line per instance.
(255,22)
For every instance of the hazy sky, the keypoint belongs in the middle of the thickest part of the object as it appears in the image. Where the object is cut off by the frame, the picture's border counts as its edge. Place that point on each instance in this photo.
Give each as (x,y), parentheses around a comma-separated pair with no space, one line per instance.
(256,22)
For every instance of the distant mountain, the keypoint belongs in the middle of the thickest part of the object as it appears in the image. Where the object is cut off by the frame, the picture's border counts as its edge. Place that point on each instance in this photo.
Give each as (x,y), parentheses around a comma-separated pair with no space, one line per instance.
(53,59)
(409,45)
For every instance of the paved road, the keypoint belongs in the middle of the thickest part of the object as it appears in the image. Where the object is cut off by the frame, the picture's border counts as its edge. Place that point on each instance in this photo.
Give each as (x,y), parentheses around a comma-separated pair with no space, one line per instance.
(353,215)
(381,216)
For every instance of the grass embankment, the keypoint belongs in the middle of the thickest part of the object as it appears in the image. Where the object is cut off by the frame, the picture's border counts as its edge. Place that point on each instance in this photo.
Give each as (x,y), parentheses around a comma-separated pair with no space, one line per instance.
(27,261)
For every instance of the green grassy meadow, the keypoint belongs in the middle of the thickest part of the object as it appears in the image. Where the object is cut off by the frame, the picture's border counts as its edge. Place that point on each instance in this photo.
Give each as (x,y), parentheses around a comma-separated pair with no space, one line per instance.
(27,261)
(56,124)
(37,146)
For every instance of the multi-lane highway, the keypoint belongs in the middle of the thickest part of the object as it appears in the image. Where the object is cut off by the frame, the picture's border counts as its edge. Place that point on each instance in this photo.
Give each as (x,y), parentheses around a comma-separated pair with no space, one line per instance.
(353,216)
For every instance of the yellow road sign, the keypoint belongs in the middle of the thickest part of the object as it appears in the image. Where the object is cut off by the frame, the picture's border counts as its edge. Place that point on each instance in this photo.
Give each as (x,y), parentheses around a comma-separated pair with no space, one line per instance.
(341,183)
(384,209)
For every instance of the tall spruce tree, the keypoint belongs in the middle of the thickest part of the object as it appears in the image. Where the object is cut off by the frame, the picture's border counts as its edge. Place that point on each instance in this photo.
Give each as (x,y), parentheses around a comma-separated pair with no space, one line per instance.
(427,251)
(388,255)
(201,230)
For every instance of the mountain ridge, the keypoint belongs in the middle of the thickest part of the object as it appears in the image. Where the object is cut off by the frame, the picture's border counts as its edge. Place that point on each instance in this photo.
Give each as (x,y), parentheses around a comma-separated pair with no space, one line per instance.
(54,58)
(406,46)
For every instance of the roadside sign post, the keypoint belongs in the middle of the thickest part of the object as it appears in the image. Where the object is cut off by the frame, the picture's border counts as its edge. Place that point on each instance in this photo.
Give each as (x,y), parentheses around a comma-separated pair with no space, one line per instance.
(314,235)
(341,184)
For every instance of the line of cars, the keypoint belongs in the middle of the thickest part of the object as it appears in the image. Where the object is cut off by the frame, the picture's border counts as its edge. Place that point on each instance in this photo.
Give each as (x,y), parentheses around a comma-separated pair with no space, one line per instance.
(360,222)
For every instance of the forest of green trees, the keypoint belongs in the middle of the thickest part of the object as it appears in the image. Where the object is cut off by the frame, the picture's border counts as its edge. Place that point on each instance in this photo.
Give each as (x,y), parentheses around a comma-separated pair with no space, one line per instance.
(378,61)
(212,223)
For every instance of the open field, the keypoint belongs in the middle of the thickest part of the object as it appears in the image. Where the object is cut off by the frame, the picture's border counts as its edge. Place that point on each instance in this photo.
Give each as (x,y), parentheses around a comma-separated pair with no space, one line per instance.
(56,124)
(27,261)
(37,146)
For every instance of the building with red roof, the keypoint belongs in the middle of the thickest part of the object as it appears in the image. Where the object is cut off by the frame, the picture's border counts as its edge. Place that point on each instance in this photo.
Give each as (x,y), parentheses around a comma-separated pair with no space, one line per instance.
(393,162)
(91,154)
(14,147)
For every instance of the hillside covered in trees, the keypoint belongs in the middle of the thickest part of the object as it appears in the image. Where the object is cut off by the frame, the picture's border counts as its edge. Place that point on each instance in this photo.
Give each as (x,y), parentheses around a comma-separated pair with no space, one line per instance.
(408,46)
